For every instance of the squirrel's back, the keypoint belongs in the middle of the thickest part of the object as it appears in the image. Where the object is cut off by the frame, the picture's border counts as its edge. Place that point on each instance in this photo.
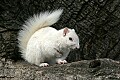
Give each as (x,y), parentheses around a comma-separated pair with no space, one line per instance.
(35,23)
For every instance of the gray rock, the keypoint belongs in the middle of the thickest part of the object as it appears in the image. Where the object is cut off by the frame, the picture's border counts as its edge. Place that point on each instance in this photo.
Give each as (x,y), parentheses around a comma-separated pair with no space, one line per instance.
(100,69)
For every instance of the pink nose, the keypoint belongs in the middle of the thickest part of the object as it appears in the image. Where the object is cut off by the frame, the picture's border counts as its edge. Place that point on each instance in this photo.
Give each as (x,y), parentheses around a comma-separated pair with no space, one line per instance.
(78,47)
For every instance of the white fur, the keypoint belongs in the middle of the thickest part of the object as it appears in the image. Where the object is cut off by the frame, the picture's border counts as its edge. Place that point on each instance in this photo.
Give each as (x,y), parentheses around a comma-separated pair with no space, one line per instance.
(38,42)
(35,23)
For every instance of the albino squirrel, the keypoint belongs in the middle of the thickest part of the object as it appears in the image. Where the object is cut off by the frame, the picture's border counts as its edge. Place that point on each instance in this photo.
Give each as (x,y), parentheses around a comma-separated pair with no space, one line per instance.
(43,45)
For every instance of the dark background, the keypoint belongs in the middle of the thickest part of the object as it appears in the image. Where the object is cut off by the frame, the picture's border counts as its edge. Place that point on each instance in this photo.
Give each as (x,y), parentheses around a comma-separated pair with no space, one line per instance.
(97,23)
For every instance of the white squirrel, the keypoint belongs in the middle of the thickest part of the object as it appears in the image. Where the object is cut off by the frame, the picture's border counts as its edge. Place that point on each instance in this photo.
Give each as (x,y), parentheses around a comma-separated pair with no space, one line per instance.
(43,45)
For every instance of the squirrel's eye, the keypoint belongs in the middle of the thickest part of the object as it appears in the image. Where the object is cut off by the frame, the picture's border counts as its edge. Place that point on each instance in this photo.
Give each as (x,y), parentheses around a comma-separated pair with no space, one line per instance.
(70,39)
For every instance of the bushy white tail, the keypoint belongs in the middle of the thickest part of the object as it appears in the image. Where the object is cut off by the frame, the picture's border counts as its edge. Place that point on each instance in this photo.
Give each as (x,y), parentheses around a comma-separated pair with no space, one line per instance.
(35,23)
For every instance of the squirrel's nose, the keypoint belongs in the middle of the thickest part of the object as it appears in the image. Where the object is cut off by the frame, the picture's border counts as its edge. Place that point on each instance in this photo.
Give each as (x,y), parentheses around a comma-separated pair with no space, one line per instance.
(78,46)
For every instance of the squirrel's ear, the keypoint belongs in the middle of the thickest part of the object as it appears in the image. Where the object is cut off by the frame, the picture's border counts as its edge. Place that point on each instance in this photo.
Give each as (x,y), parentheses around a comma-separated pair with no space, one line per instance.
(65,31)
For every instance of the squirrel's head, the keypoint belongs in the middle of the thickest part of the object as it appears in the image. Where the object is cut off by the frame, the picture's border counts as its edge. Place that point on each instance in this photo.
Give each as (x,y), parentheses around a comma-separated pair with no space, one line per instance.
(70,38)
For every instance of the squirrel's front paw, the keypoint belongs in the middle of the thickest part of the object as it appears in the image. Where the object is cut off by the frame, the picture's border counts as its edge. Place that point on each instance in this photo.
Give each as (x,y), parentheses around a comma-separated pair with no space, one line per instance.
(44,65)
(61,61)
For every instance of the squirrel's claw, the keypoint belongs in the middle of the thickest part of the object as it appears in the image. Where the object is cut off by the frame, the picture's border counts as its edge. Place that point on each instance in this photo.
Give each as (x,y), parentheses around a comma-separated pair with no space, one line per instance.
(62,62)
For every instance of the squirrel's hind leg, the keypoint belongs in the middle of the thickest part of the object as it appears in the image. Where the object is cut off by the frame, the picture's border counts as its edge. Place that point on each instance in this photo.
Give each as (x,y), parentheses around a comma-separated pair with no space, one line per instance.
(44,65)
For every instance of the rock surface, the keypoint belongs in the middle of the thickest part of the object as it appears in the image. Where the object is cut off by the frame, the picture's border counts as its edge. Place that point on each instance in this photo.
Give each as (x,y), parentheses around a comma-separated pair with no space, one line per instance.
(101,69)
